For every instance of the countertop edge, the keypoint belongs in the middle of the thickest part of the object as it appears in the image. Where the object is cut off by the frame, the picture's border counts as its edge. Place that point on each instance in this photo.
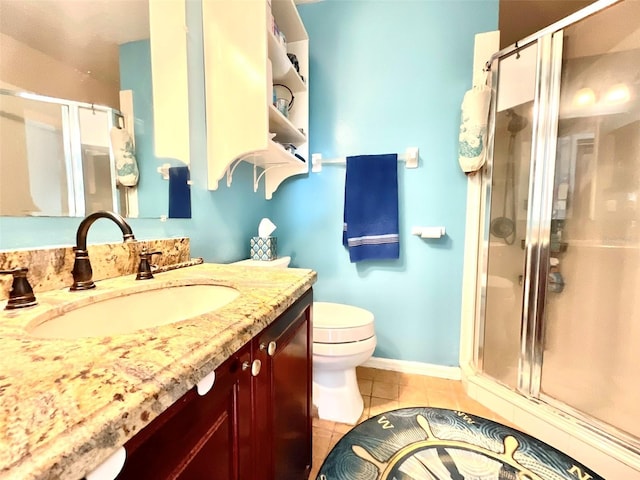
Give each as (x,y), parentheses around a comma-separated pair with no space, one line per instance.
(89,442)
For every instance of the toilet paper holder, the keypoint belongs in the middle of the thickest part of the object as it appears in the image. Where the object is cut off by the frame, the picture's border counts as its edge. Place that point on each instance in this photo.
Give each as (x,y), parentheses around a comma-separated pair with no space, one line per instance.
(428,232)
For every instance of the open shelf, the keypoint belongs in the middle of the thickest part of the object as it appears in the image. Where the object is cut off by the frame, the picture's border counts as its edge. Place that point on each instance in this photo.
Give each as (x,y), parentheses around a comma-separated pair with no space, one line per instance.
(242,130)
(283,70)
(289,20)
(285,131)
(276,155)
(277,165)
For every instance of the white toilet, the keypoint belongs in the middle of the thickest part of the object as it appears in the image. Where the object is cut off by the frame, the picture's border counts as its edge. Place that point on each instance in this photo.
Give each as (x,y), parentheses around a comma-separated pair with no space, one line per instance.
(343,338)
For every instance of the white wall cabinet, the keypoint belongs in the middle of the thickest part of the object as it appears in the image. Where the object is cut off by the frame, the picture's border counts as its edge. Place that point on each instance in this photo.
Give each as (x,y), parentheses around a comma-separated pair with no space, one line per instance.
(168,42)
(242,58)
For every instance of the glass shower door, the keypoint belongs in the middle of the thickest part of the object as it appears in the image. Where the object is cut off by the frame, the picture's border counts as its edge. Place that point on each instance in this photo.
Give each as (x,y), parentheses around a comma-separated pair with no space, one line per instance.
(592,327)
(34,158)
(98,170)
(507,224)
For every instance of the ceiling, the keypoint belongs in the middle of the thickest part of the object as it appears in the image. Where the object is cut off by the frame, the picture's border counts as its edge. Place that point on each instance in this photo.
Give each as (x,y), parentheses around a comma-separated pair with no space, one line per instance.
(520,18)
(86,33)
(82,33)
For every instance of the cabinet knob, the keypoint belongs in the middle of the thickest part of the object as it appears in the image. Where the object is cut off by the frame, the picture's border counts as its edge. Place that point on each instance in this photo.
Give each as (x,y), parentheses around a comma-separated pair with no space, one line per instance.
(206,384)
(270,348)
(110,468)
(255,367)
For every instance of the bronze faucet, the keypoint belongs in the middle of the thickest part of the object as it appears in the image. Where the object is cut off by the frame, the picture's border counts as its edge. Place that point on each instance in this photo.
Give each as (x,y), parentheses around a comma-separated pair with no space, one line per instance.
(144,268)
(82,271)
(21,294)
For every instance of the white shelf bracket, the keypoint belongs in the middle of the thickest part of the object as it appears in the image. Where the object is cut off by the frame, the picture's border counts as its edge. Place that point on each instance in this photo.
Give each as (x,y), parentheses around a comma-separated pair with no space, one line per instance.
(230,169)
(257,178)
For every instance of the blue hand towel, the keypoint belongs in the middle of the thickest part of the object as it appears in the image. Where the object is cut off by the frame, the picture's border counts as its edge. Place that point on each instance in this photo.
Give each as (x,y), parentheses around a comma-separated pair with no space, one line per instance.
(371,207)
(179,193)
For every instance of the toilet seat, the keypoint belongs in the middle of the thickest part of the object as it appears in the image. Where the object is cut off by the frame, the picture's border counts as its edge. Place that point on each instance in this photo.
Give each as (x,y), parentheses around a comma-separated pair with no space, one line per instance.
(338,350)
(335,323)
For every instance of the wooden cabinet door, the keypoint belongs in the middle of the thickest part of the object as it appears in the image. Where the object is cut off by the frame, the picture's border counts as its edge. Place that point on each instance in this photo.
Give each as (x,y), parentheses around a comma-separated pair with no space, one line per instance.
(284,389)
(199,437)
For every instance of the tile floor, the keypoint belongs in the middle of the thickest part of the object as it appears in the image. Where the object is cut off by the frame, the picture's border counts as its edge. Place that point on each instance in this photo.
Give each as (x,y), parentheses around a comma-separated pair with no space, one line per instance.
(384,390)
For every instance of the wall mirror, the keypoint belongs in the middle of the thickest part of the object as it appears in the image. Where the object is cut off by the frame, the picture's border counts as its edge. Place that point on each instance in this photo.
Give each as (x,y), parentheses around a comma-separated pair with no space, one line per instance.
(79,108)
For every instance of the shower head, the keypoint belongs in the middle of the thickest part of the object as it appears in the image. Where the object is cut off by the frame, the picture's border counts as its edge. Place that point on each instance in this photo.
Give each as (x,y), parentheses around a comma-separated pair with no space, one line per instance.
(517,122)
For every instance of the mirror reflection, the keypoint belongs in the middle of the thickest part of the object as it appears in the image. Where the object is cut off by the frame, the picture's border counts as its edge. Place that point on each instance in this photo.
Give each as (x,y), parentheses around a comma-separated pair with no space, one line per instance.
(76,113)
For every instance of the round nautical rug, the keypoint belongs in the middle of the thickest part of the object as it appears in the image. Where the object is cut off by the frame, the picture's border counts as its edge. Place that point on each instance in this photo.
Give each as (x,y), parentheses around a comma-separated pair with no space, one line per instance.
(440,444)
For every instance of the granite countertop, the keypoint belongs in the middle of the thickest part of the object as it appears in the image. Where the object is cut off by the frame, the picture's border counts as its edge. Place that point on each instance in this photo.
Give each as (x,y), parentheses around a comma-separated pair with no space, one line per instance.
(67,404)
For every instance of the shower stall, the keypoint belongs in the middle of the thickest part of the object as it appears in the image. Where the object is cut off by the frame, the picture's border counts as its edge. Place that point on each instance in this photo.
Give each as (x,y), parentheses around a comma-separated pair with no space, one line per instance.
(557,314)
(56,157)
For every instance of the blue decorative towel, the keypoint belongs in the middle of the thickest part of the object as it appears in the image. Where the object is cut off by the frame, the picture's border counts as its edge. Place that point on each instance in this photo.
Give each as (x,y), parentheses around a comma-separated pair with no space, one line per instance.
(371,207)
(179,193)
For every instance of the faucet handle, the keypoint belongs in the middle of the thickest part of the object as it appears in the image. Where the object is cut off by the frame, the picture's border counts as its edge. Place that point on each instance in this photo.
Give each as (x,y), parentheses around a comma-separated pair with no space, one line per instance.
(144,268)
(21,294)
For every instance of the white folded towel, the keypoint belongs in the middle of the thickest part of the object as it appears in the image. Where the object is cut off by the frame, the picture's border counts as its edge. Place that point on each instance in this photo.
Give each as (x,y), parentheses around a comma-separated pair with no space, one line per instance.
(472,151)
(124,152)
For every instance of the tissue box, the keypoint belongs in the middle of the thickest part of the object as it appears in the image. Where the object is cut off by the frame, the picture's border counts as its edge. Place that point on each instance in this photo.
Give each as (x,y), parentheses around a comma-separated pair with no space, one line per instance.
(264,248)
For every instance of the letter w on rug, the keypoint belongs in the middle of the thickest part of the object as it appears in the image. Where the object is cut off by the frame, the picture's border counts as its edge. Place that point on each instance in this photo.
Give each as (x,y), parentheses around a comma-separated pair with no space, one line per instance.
(386,424)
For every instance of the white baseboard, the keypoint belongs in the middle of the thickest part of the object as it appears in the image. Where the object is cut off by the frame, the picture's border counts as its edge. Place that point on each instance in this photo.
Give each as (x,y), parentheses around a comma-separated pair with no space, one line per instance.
(419,368)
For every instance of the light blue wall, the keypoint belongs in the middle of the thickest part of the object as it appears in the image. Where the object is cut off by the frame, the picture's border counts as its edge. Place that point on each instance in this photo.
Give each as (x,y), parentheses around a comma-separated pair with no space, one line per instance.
(222,221)
(386,75)
(135,75)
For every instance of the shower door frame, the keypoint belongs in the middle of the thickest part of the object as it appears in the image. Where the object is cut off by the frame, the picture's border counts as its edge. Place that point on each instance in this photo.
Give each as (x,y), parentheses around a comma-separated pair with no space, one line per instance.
(538,214)
(549,42)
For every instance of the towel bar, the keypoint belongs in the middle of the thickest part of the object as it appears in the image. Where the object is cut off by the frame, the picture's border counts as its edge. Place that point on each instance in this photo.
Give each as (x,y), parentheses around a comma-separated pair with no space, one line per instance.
(410,157)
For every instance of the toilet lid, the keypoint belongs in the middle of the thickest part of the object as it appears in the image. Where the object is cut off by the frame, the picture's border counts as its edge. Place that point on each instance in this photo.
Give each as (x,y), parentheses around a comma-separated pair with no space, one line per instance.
(338,323)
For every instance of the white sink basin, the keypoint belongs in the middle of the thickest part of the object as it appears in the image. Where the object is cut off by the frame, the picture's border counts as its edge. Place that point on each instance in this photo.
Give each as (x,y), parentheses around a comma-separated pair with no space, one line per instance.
(135,311)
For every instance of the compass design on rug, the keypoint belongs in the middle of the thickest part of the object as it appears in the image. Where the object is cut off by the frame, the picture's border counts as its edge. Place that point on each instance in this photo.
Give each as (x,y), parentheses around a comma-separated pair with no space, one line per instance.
(440,444)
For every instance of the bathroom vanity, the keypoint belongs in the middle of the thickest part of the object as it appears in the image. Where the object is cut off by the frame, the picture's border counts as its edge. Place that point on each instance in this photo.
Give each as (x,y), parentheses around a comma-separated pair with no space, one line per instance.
(255,422)
(67,404)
